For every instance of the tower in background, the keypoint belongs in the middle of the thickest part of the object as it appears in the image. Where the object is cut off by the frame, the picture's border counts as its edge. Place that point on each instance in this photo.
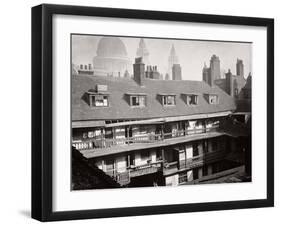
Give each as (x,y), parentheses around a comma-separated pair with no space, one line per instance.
(142,52)
(215,69)
(232,84)
(229,82)
(176,72)
(173,59)
(212,73)
(239,67)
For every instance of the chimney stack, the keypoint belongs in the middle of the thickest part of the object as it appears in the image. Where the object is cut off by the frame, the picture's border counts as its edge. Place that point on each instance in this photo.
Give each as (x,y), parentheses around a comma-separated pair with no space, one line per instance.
(206,72)
(229,83)
(139,71)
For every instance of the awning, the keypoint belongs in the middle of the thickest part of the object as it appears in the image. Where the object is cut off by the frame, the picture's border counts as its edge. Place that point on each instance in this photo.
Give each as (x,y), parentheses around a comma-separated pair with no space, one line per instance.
(81,124)
(85,124)
(137,122)
(198,116)
(136,94)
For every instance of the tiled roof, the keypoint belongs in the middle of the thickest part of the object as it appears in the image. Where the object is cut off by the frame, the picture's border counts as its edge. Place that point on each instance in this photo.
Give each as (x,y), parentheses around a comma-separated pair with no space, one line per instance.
(119,107)
(86,175)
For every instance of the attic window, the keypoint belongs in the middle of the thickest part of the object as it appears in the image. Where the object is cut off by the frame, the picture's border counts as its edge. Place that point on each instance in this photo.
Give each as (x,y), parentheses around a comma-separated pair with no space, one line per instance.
(213,99)
(99,100)
(98,97)
(191,99)
(137,99)
(168,100)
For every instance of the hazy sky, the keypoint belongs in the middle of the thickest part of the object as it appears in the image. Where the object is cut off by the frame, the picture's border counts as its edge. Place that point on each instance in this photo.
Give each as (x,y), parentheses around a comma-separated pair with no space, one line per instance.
(191,54)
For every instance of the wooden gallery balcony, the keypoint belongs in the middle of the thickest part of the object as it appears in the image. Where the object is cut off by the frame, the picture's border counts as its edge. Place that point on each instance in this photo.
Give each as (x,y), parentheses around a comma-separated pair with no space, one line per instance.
(105,143)
(197,161)
(123,178)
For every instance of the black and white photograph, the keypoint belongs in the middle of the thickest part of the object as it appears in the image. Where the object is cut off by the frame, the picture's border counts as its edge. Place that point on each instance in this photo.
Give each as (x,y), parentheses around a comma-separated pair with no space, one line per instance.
(151,112)
(146,112)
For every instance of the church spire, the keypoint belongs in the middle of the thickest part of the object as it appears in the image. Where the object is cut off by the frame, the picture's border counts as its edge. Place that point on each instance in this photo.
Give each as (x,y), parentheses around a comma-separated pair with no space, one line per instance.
(143,52)
(173,59)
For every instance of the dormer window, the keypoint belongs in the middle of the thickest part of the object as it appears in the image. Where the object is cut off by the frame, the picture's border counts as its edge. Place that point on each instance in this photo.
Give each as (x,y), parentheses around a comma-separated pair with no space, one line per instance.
(213,99)
(191,99)
(99,100)
(137,99)
(98,97)
(168,99)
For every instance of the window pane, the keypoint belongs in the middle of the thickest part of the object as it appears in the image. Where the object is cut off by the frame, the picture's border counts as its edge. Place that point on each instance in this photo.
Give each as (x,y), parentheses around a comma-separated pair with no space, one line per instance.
(170,100)
(134,101)
(105,101)
(142,101)
(164,100)
(213,99)
(100,101)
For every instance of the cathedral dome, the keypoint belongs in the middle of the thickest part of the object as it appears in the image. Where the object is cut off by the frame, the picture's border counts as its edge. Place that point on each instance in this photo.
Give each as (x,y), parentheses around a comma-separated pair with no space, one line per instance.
(111,57)
(111,47)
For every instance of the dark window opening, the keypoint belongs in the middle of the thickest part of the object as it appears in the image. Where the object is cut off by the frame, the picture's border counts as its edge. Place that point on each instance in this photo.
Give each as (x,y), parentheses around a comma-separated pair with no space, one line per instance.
(145,155)
(205,170)
(195,174)
(195,149)
(214,145)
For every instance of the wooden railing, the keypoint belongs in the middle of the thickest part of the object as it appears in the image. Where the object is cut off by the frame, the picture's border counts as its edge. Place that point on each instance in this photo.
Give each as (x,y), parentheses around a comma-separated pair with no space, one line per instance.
(201,159)
(123,177)
(145,169)
(147,138)
(120,177)
(195,161)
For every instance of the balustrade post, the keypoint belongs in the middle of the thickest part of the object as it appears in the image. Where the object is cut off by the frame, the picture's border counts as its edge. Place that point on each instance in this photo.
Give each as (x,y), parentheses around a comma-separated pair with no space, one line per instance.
(204,126)
(163,158)
(162,132)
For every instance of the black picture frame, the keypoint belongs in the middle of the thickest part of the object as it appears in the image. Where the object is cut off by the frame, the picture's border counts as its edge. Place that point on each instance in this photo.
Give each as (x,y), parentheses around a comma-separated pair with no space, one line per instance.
(42,107)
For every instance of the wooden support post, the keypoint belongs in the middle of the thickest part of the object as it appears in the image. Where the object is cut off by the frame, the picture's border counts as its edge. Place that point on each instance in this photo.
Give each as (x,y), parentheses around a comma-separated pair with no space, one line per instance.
(129,164)
(163,158)
(204,126)
(114,168)
(113,135)
(103,137)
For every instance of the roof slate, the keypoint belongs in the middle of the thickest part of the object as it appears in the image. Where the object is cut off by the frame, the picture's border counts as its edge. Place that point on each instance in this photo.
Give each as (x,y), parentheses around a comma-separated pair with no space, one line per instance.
(119,107)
